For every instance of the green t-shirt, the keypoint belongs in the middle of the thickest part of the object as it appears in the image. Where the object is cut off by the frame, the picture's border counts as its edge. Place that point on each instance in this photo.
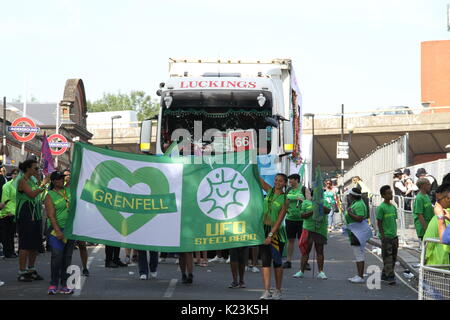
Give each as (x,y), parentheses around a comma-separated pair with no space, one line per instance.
(387,213)
(61,202)
(436,253)
(329,196)
(422,205)
(35,204)
(273,203)
(318,226)
(8,193)
(359,209)
(294,208)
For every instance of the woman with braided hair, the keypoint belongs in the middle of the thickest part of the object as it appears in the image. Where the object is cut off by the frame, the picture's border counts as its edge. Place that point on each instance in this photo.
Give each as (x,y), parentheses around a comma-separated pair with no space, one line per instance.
(275,207)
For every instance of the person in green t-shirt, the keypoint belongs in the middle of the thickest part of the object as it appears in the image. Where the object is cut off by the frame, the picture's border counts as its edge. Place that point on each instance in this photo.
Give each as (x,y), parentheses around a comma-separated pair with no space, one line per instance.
(423,209)
(294,222)
(275,208)
(356,213)
(315,232)
(387,226)
(436,253)
(442,210)
(29,219)
(57,204)
(329,195)
(7,214)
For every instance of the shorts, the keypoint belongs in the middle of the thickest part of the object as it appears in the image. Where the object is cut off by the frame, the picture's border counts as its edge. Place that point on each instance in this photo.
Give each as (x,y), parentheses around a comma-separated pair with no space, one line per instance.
(29,231)
(294,229)
(269,253)
(239,255)
(317,238)
(359,253)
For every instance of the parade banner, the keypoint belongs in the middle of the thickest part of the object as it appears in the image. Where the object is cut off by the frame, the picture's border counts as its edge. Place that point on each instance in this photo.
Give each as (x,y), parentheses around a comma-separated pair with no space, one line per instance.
(164,204)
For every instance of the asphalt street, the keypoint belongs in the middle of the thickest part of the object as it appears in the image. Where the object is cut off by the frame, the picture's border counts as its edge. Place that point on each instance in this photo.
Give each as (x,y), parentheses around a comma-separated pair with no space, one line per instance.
(210,283)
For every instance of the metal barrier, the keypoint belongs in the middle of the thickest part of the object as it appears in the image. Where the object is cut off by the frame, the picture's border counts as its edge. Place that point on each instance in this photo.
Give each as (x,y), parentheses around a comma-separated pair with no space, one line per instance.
(434,280)
(405,220)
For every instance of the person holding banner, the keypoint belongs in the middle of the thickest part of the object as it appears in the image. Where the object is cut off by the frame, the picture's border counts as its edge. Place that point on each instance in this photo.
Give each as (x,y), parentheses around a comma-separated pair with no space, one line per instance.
(57,204)
(275,208)
(29,219)
(80,244)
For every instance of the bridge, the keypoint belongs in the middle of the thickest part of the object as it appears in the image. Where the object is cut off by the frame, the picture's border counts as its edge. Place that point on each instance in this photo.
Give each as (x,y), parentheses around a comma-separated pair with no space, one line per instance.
(429,134)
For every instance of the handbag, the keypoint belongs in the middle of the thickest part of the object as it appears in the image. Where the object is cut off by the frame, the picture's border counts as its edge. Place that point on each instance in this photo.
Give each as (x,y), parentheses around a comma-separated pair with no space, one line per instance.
(354,240)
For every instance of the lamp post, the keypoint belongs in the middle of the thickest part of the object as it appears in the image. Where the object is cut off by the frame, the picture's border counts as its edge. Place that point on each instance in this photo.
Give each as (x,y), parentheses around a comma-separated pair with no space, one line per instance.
(311,115)
(112,129)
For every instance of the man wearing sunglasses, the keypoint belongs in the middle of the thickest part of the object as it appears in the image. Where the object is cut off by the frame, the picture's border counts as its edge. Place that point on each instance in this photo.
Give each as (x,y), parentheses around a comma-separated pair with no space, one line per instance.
(442,211)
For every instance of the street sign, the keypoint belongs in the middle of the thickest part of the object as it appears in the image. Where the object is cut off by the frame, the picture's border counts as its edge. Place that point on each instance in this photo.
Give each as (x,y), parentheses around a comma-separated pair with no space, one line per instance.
(342,150)
(242,140)
(58,144)
(26,127)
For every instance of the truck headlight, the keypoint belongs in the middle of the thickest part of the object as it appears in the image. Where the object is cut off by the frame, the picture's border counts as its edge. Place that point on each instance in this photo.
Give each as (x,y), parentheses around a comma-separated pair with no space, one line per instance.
(261,99)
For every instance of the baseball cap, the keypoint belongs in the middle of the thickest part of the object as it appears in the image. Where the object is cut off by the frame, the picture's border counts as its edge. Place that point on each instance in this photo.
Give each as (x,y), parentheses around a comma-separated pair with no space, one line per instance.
(56,175)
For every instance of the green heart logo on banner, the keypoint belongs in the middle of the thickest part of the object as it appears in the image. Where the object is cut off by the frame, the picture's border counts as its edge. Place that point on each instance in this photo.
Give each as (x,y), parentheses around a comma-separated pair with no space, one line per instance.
(153,177)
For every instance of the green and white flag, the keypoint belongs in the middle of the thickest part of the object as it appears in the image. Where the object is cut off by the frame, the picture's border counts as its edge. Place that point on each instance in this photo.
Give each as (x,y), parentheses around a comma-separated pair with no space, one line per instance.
(164,204)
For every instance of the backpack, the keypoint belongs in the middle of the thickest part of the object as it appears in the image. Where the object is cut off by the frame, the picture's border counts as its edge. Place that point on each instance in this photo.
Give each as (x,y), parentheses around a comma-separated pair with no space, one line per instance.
(433,189)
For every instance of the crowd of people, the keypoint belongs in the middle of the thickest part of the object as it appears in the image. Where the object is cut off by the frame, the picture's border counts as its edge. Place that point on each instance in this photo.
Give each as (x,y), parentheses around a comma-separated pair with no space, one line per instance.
(37,208)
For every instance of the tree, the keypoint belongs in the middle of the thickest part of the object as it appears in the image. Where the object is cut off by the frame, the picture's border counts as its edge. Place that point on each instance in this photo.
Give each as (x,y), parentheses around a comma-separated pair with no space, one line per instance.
(135,100)
(31,99)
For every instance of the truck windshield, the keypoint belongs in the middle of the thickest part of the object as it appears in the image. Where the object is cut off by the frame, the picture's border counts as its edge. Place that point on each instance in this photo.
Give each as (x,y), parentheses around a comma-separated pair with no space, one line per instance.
(214,123)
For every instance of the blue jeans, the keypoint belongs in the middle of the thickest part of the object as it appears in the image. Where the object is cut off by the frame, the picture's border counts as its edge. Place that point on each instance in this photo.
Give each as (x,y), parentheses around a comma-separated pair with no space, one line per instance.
(60,261)
(144,264)
(330,218)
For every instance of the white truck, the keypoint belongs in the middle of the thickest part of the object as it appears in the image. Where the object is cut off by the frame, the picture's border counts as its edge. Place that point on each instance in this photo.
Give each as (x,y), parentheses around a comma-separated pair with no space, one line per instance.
(224,105)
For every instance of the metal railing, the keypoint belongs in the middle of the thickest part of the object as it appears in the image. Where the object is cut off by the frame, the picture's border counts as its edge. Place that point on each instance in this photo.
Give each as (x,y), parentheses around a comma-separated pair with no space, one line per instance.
(406,230)
(434,280)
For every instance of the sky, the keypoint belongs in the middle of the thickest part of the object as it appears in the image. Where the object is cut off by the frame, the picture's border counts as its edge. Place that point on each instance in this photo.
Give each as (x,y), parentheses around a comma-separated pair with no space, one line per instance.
(364,54)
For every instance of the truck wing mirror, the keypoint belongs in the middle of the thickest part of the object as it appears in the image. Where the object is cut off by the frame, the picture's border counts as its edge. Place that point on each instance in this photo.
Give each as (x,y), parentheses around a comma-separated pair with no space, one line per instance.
(273,122)
(146,134)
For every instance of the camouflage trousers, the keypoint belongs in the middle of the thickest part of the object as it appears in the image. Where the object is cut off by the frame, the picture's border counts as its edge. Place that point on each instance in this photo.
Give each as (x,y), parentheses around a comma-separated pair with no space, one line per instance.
(389,249)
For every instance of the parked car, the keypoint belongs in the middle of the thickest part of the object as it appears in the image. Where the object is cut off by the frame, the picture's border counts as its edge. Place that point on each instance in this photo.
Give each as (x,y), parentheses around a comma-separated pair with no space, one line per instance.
(390,111)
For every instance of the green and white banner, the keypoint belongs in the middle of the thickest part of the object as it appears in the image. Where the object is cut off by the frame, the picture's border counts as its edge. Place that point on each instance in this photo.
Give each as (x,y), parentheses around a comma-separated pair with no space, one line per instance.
(164,204)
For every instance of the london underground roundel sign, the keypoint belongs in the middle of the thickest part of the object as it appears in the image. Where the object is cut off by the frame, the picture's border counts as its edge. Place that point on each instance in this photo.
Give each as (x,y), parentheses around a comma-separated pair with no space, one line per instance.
(58,144)
(23,129)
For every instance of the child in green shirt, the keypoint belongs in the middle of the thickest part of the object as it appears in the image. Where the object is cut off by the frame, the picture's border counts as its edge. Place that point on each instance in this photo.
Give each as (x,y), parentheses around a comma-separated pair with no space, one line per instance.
(387,226)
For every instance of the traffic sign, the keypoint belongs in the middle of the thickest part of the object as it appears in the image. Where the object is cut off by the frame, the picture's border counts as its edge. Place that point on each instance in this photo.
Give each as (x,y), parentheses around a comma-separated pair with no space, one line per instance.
(23,125)
(242,140)
(58,144)
(342,150)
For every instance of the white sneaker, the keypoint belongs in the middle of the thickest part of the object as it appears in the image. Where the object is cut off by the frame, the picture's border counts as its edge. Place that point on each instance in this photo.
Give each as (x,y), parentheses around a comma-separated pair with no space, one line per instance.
(266,296)
(153,275)
(1,283)
(228,260)
(276,295)
(298,275)
(356,279)
(254,269)
(143,277)
(217,259)
(322,276)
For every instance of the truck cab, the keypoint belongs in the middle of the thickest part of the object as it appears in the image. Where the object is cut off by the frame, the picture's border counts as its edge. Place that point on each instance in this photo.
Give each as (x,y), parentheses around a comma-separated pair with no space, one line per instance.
(218,106)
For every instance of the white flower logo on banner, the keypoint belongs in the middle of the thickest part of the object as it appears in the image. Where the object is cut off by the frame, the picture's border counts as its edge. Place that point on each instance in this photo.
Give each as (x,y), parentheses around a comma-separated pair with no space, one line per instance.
(223,194)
